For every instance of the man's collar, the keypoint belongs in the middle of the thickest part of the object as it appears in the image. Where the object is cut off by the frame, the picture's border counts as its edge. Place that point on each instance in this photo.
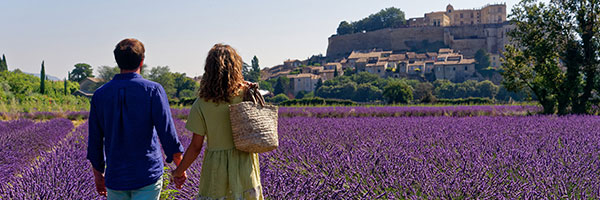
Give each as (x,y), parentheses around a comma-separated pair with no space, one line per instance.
(126,76)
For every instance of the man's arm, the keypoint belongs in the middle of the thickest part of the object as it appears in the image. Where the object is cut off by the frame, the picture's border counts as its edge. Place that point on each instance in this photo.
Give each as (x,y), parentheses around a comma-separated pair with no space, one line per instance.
(95,149)
(163,123)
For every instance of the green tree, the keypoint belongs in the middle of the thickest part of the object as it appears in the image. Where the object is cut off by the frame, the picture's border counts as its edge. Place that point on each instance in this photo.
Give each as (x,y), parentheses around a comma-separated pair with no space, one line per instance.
(319,84)
(281,85)
(581,52)
(548,38)
(335,72)
(183,83)
(254,73)
(398,92)
(386,18)
(348,72)
(66,87)
(423,90)
(466,89)
(482,59)
(43,79)
(164,77)
(444,89)
(3,64)
(366,92)
(300,94)
(107,73)
(279,98)
(487,89)
(266,85)
(345,28)
(365,77)
(246,71)
(81,72)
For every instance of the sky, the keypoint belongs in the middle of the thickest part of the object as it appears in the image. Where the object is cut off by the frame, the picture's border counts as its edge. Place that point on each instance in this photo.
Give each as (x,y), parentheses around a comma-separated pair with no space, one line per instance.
(179,34)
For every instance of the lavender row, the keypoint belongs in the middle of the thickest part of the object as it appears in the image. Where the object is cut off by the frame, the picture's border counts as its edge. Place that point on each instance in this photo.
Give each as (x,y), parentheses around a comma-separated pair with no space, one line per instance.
(63,173)
(535,157)
(190,188)
(19,145)
(72,115)
(8,128)
(454,111)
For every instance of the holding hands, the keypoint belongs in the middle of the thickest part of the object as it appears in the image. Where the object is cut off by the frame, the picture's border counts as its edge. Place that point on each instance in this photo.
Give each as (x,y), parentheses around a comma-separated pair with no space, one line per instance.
(179,178)
(178,175)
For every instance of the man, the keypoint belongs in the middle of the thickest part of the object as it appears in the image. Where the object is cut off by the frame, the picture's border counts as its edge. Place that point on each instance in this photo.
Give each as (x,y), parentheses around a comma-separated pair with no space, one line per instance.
(128,116)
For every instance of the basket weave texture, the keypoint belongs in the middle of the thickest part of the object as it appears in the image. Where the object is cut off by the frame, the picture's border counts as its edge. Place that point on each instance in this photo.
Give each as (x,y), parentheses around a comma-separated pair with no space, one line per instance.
(254,127)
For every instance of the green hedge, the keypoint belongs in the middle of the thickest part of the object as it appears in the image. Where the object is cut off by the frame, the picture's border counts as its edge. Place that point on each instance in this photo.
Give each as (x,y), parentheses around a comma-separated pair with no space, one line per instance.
(185,101)
(468,101)
(317,101)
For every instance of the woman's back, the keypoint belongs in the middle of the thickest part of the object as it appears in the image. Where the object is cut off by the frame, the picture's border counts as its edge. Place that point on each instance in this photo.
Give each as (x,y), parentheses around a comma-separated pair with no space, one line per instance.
(213,118)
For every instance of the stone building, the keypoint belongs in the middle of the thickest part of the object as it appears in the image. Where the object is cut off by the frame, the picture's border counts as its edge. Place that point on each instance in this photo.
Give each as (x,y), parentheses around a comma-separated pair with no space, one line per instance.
(88,86)
(489,14)
(303,82)
(454,67)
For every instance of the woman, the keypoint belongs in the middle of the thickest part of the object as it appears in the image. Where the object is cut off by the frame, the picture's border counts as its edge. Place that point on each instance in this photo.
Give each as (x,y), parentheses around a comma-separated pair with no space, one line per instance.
(227,173)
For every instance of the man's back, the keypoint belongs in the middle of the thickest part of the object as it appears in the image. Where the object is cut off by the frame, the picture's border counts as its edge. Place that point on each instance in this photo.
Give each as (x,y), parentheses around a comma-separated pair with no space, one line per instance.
(130,114)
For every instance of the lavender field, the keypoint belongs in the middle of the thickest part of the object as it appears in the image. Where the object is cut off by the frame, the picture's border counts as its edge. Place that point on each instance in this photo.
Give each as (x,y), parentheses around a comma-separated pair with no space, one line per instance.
(350,156)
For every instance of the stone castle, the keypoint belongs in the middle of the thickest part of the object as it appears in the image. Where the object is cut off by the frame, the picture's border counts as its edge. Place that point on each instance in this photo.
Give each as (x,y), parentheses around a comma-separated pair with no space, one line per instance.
(465,31)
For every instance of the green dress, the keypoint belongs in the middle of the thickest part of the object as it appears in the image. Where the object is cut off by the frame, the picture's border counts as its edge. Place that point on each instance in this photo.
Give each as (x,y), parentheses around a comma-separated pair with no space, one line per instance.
(227,173)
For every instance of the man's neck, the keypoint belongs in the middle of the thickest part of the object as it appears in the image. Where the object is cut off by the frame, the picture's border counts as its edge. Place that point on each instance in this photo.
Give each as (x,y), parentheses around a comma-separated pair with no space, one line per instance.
(125,71)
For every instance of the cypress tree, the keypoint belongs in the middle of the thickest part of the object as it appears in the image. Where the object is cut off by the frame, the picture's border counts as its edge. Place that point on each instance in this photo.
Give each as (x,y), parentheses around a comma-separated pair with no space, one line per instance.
(3,65)
(335,72)
(43,79)
(65,81)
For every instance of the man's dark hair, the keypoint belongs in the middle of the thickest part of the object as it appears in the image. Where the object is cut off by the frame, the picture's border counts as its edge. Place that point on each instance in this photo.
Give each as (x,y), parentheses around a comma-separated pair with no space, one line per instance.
(129,53)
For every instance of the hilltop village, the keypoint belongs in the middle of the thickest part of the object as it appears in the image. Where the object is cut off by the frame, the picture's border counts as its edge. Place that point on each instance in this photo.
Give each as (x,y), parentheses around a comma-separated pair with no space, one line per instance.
(404,53)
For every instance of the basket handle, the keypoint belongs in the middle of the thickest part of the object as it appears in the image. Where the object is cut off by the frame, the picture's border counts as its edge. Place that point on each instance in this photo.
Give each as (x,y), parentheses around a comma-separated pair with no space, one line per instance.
(252,94)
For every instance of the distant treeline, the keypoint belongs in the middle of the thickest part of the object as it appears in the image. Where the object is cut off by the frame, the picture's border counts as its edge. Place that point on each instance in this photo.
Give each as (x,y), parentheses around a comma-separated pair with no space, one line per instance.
(365,87)
(386,18)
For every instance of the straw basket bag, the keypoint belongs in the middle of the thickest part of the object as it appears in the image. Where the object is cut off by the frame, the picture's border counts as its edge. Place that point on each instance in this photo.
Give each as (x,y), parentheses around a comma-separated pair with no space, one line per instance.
(254,124)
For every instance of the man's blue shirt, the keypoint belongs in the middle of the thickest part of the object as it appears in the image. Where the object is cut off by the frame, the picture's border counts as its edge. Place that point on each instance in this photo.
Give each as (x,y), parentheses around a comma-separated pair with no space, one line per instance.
(128,116)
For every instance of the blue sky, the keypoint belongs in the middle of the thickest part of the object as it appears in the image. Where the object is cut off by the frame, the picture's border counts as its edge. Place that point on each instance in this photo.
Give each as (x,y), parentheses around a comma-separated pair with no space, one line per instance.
(180,33)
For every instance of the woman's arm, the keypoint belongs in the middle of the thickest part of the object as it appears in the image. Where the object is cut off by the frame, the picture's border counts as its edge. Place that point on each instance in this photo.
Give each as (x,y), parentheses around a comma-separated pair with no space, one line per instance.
(190,155)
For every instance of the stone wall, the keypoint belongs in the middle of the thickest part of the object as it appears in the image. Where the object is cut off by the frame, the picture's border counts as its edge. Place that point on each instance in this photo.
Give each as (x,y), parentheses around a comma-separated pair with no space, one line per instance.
(466,39)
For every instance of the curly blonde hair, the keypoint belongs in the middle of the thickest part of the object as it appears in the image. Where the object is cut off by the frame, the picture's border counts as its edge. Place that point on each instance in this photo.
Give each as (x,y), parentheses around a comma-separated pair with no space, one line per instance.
(222,77)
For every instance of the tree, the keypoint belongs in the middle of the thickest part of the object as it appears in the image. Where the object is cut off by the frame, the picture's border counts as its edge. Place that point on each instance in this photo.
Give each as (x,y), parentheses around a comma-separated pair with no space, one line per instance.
(422,91)
(386,18)
(444,89)
(319,84)
(281,85)
(366,92)
(246,71)
(554,53)
(107,73)
(81,72)
(144,71)
(582,51)
(254,73)
(487,89)
(66,87)
(300,94)
(164,77)
(345,28)
(279,98)
(335,72)
(43,79)
(3,64)
(183,83)
(398,92)
(265,85)
(482,59)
